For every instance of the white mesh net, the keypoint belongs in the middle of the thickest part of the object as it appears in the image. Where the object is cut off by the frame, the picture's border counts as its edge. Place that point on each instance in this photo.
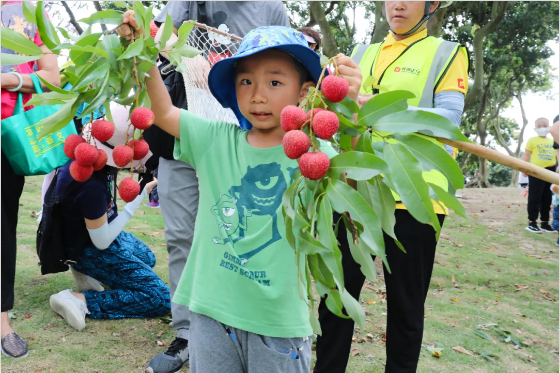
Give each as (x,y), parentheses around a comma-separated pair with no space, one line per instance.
(215,46)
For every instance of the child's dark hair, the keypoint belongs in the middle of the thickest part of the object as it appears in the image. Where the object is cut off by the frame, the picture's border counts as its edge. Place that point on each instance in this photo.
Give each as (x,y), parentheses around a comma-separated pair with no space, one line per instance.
(304,75)
(314,34)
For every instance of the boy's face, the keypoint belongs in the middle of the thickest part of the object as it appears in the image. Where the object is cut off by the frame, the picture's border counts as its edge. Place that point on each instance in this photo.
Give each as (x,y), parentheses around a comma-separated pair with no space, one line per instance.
(265,84)
(541,123)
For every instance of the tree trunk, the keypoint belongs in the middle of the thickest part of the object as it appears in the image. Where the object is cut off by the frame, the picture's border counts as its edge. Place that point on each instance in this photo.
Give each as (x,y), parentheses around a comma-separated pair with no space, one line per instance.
(381,28)
(481,131)
(72,18)
(330,48)
(98,8)
(514,178)
(477,89)
(434,24)
(482,167)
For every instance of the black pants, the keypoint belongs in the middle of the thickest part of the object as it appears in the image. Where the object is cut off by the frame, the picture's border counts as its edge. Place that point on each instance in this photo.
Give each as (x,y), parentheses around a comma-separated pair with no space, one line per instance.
(540,198)
(407,288)
(12,186)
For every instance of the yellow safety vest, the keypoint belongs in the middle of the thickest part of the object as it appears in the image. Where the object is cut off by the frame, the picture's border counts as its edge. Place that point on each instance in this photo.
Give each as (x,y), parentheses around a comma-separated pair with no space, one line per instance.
(419,69)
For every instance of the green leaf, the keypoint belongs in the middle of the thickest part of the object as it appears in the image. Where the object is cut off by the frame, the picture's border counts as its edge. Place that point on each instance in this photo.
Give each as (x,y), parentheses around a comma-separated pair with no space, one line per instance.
(125,101)
(345,198)
(334,303)
(333,258)
(99,99)
(406,176)
(346,108)
(432,156)
(183,34)
(137,134)
(362,256)
(64,33)
(309,245)
(107,106)
(80,56)
(60,119)
(449,200)
(29,11)
(51,98)
(482,335)
(288,199)
(133,49)
(110,43)
(187,51)
(357,165)
(14,59)
(167,31)
(487,357)
(18,43)
(368,82)
(379,197)
(409,121)
(120,4)
(288,222)
(45,27)
(350,104)
(383,104)
(139,13)
(95,71)
(353,308)
(147,19)
(364,143)
(345,142)
(52,87)
(108,17)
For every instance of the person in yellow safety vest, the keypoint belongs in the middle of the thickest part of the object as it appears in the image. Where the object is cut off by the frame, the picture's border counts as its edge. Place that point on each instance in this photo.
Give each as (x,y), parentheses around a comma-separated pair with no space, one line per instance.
(436,71)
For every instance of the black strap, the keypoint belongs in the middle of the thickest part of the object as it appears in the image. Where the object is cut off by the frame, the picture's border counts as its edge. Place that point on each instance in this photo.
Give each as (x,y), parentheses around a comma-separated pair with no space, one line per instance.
(202,14)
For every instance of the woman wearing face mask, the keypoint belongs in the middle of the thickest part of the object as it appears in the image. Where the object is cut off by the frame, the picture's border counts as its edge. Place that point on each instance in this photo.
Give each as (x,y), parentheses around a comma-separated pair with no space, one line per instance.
(436,71)
(540,152)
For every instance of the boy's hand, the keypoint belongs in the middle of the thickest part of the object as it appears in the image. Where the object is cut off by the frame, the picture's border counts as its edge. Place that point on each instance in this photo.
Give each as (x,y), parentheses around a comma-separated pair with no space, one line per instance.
(129,20)
(363,99)
(349,70)
(151,186)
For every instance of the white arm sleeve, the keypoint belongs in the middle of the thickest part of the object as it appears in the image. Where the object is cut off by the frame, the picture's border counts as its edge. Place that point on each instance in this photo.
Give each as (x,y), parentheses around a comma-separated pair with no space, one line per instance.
(449,104)
(103,236)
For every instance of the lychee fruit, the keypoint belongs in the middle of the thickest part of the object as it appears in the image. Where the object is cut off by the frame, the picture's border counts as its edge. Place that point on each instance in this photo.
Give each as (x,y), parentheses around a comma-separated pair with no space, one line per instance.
(314,165)
(335,88)
(142,118)
(70,145)
(129,189)
(315,111)
(325,124)
(102,130)
(80,173)
(141,148)
(292,118)
(86,154)
(101,160)
(122,155)
(295,144)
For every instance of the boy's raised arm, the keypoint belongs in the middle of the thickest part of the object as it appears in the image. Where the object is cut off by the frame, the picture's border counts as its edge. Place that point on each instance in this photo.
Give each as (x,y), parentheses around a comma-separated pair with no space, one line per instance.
(167,116)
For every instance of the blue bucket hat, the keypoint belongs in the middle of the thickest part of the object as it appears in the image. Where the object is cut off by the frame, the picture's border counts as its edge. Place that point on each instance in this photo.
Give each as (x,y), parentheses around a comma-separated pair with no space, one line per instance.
(221,79)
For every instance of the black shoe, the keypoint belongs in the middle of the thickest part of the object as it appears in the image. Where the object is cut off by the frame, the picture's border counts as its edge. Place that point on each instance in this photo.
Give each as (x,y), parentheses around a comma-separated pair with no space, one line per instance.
(533,227)
(545,227)
(172,360)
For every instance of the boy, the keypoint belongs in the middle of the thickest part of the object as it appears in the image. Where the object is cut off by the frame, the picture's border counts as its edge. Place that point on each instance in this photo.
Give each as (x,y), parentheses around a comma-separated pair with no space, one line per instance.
(539,151)
(240,281)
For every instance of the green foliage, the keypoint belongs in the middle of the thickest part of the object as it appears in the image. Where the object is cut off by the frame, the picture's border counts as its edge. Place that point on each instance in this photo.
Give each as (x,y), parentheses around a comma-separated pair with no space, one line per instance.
(103,68)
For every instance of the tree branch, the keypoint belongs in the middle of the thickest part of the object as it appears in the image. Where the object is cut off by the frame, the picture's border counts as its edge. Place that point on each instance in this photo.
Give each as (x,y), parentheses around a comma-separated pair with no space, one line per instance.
(72,18)
(477,89)
(381,27)
(99,9)
(330,47)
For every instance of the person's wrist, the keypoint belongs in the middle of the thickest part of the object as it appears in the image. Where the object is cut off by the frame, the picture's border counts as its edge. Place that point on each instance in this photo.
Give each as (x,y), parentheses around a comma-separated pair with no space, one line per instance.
(9,81)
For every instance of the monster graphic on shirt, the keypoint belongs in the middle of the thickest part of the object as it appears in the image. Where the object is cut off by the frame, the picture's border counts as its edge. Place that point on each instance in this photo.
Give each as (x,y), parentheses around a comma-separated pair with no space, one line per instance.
(260,193)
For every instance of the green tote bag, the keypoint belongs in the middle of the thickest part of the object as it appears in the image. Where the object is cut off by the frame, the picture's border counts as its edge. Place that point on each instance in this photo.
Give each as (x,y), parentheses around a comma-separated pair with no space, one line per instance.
(20,138)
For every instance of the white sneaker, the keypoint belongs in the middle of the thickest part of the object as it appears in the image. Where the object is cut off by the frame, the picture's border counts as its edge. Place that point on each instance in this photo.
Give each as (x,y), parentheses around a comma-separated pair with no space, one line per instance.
(85,282)
(72,309)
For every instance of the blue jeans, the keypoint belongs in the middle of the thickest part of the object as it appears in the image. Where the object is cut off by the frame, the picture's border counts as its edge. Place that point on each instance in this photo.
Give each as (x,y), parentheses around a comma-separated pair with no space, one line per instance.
(126,266)
(555,217)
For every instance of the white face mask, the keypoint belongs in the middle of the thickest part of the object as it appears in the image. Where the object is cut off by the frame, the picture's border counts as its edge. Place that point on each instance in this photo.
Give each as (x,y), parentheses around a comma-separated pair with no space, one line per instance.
(543,131)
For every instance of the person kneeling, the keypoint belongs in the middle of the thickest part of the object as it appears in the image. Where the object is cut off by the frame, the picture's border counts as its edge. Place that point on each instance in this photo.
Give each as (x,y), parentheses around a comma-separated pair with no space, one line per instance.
(108,253)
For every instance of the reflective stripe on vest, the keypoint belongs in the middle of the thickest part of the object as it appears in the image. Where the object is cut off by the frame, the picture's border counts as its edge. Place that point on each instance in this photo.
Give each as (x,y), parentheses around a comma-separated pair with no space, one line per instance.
(418,70)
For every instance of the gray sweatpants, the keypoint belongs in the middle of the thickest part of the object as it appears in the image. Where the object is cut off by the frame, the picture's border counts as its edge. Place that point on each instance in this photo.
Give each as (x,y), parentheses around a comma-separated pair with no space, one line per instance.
(178,197)
(218,348)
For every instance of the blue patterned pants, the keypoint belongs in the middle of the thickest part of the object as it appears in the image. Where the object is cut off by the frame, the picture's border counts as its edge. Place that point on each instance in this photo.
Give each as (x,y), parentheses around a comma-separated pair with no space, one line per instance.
(555,217)
(126,266)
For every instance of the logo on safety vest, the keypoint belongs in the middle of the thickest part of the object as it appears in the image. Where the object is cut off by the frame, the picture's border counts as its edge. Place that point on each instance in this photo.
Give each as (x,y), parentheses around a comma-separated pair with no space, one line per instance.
(407,70)
(461,83)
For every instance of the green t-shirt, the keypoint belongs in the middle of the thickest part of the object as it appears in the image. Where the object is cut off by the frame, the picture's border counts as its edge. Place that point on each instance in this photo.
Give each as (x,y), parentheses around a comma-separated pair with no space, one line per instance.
(241,270)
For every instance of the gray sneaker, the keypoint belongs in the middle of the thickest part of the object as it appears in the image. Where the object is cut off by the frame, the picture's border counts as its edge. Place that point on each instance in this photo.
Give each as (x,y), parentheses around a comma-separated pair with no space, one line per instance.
(172,360)
(14,346)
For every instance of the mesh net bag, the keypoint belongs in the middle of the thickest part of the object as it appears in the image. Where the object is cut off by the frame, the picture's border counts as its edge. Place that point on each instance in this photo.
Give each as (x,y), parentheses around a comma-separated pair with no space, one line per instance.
(215,46)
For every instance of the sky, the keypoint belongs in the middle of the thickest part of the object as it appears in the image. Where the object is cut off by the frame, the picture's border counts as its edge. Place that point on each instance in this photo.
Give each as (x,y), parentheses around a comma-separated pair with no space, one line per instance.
(535,105)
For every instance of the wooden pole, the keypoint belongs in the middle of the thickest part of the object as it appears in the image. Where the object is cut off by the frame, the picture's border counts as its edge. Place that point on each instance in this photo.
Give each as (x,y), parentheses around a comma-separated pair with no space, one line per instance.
(503,159)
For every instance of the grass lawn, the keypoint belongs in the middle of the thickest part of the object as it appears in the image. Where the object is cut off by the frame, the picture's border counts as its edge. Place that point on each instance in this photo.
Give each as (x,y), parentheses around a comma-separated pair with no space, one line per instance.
(488,270)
